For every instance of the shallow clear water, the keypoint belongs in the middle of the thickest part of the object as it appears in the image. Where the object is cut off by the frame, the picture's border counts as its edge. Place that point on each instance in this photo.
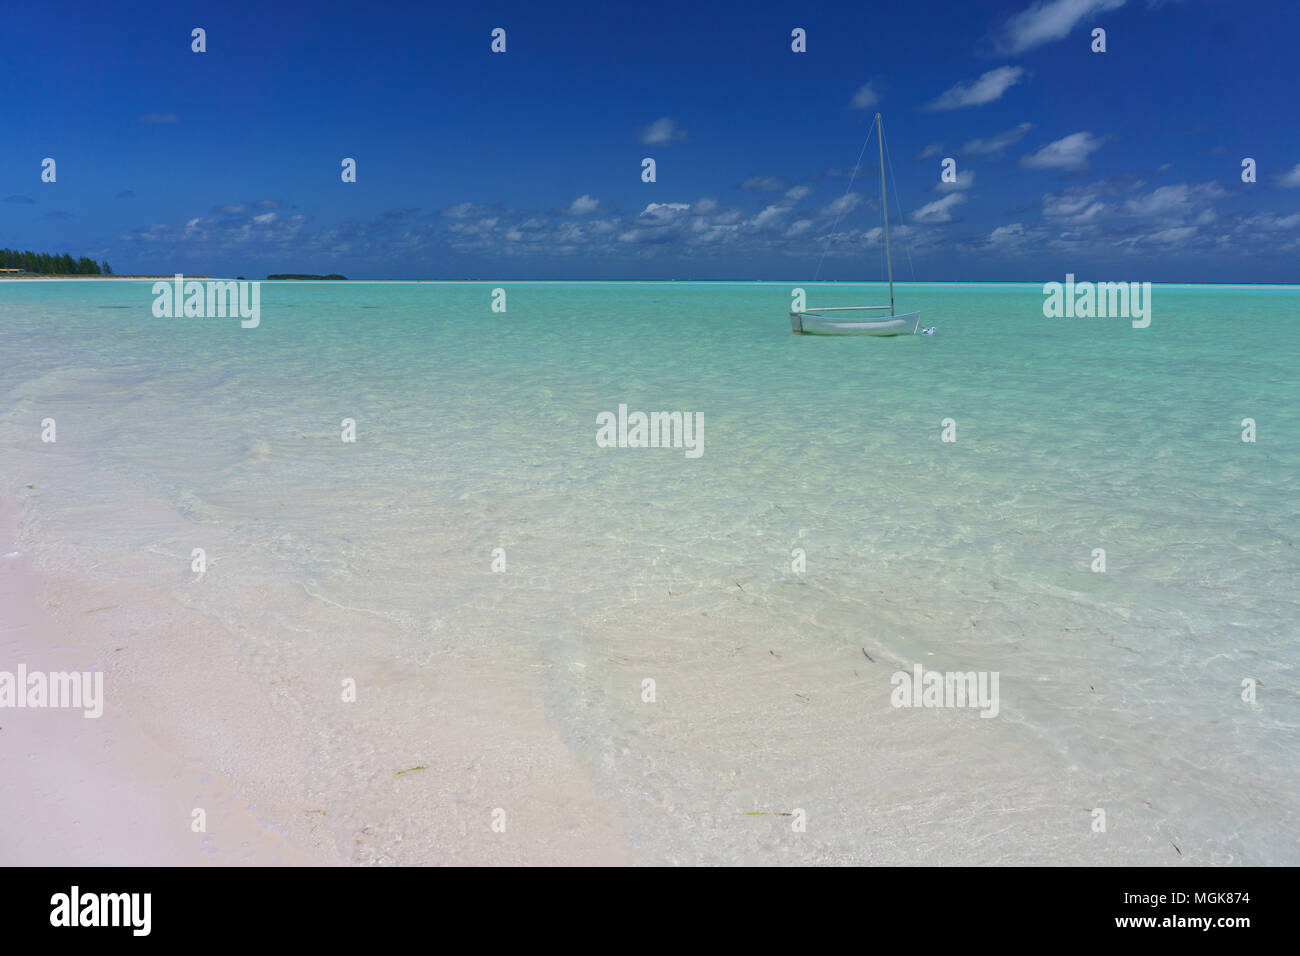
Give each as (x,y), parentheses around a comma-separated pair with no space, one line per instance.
(476,430)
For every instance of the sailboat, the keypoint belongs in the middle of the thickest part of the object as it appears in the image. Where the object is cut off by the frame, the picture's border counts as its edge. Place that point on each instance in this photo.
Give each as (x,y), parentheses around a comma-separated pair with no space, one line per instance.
(844,320)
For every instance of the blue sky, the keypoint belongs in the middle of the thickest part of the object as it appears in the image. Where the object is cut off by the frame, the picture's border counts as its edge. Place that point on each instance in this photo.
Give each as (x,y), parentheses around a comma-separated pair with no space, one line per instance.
(1123,165)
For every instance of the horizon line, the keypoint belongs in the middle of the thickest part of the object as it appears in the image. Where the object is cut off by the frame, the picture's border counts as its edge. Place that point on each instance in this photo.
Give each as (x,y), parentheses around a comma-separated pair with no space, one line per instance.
(30,277)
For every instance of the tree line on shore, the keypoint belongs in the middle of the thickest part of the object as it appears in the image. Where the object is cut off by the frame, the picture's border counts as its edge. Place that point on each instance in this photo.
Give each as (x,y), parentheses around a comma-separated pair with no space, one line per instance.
(43,263)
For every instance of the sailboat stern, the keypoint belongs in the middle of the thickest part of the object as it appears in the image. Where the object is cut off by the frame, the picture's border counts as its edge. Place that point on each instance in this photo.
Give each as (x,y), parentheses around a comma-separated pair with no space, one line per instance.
(796,323)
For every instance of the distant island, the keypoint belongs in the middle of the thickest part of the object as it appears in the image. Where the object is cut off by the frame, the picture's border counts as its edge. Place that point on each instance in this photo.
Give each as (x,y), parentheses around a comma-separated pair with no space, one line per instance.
(290,275)
(13,262)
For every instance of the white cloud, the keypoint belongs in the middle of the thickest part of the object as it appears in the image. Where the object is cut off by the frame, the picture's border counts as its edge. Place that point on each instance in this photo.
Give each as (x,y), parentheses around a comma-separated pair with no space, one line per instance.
(1291,180)
(1048,20)
(796,193)
(664,210)
(1174,201)
(717,233)
(934,149)
(763,184)
(769,216)
(484,225)
(940,210)
(570,232)
(1069,152)
(1078,205)
(997,144)
(965,180)
(662,132)
(583,205)
(1007,235)
(865,98)
(1269,221)
(846,203)
(1175,234)
(225,232)
(986,89)
(462,210)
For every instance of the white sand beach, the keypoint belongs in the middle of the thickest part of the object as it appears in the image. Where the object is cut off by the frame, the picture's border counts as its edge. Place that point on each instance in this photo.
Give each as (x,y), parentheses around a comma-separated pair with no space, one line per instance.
(119,789)
(183,729)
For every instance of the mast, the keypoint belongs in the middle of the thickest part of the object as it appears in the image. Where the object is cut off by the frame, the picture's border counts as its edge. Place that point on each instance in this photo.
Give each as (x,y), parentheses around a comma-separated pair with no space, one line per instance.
(884,206)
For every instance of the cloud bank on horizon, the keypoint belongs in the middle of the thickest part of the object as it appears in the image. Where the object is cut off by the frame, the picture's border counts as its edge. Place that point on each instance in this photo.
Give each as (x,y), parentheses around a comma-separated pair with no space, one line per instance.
(667,142)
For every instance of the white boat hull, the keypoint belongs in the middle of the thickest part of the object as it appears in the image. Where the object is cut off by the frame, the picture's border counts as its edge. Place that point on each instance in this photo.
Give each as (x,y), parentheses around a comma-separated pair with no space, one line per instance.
(806,323)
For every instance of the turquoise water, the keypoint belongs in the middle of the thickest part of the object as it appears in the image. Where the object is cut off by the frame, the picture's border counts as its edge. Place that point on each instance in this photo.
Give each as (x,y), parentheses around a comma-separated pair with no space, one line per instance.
(476,431)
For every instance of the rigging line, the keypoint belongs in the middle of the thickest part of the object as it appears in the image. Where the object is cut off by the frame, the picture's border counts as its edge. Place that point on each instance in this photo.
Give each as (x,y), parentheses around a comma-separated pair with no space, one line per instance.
(862,152)
(907,241)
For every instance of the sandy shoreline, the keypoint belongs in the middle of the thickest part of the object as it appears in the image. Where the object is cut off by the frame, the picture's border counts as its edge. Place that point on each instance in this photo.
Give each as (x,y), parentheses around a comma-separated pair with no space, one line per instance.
(183,728)
(114,790)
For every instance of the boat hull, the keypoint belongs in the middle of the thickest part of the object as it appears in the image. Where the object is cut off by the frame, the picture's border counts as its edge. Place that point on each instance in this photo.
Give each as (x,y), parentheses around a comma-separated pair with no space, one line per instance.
(806,323)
